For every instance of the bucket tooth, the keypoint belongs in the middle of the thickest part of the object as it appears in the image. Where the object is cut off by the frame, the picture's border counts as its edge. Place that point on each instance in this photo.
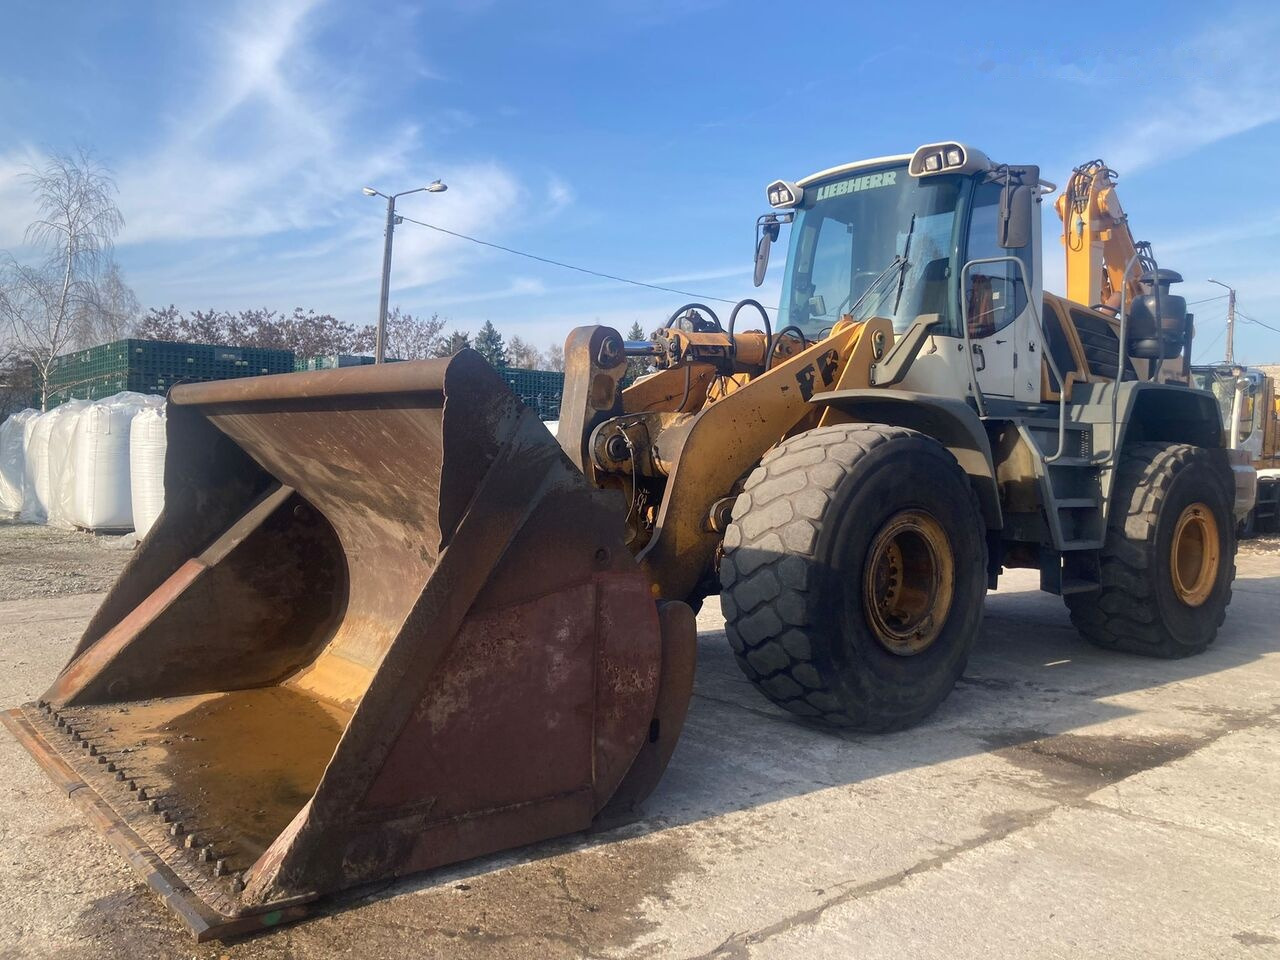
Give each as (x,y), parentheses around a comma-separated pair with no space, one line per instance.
(382,625)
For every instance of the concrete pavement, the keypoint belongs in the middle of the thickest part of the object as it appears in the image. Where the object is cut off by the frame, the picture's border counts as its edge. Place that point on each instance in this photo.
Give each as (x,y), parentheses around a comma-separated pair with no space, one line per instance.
(1064,802)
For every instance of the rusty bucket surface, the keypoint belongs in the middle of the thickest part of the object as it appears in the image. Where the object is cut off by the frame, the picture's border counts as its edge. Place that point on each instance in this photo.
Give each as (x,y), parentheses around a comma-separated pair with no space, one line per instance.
(383,624)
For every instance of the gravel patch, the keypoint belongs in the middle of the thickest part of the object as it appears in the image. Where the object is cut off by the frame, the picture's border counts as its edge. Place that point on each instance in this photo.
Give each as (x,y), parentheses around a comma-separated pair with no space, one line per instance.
(1261,546)
(38,561)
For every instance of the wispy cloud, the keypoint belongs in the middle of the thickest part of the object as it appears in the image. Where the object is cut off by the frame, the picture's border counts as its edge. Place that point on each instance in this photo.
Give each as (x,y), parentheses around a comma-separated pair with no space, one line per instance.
(1235,88)
(1216,238)
(265,145)
(15,194)
(250,190)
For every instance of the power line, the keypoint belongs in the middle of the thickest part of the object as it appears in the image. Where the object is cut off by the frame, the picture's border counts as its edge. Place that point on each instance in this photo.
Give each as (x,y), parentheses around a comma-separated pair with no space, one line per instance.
(1204,349)
(1221,296)
(1259,323)
(566,266)
(1248,319)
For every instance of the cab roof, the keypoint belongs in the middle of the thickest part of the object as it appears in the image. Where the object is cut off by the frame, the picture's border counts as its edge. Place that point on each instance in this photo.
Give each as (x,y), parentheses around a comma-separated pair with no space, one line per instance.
(851,167)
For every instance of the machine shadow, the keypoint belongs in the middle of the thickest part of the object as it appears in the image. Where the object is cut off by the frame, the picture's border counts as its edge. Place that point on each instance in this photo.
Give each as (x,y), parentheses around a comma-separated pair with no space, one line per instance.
(1030,677)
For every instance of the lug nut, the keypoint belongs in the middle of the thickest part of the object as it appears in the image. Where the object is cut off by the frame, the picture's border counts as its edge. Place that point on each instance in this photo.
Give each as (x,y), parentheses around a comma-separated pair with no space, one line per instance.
(152,806)
(175,830)
(219,868)
(206,854)
(237,885)
(142,793)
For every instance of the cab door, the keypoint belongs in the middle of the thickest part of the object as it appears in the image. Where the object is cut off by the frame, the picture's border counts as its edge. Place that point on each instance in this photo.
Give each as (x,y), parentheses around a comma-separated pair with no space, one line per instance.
(998,302)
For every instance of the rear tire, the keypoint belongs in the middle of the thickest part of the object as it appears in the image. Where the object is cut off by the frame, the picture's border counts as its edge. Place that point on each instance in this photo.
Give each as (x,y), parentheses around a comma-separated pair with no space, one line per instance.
(1169,556)
(854,574)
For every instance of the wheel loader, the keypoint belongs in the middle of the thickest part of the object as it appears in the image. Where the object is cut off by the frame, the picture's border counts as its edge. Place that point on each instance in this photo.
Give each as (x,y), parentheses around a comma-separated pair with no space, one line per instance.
(387,622)
(1250,410)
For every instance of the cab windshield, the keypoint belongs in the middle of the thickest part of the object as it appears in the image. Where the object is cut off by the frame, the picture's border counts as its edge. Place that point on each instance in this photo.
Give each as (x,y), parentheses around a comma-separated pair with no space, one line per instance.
(844,241)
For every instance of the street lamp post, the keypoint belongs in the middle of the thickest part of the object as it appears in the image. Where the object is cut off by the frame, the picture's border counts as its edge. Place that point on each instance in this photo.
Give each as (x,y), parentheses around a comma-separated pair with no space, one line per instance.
(436,186)
(1231,319)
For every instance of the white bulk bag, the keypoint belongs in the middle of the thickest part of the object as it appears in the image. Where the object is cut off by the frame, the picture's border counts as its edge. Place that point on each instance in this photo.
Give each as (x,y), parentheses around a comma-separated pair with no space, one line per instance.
(38,489)
(146,467)
(12,459)
(101,497)
(32,510)
(60,484)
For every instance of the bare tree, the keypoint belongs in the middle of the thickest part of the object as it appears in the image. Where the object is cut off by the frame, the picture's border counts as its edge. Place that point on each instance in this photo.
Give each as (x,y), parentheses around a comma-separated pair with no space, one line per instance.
(17,384)
(161,323)
(456,340)
(410,337)
(46,304)
(554,358)
(109,312)
(522,354)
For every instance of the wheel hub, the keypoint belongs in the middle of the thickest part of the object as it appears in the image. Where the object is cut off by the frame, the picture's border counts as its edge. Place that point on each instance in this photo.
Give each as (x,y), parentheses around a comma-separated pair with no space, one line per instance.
(908,582)
(1195,554)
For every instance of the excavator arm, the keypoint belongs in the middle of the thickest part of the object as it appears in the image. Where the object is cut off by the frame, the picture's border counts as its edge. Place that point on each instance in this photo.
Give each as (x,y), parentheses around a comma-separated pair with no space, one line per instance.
(1110,272)
(1097,239)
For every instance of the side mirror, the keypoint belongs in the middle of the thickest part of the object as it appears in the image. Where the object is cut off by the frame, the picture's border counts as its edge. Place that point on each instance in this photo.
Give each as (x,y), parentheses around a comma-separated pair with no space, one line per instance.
(768,233)
(1014,225)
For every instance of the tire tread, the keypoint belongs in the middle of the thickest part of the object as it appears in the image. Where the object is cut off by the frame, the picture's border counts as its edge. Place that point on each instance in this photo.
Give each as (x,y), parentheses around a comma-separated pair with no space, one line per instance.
(1123,614)
(777,591)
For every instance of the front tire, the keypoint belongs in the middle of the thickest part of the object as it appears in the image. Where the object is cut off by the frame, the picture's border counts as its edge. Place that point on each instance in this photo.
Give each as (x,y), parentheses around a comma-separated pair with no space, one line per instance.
(854,574)
(1169,556)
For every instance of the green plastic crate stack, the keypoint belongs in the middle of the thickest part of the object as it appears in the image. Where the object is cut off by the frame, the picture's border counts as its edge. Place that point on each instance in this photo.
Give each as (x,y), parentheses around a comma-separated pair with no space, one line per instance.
(539,389)
(331,361)
(153,366)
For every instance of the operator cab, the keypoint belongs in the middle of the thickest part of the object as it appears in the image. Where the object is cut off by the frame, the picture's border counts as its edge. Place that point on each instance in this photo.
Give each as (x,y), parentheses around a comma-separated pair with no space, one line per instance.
(942,235)
(1223,381)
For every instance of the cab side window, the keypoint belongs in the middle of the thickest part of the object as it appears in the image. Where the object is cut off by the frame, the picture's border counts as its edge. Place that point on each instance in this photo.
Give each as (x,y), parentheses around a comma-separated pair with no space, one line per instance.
(995,293)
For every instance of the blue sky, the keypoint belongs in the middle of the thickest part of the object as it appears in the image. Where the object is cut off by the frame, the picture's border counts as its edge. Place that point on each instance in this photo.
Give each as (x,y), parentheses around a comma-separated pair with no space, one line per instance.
(634,138)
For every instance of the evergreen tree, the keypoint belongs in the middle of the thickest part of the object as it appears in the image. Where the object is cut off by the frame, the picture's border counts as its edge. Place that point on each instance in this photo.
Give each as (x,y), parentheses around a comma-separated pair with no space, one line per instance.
(637,366)
(490,346)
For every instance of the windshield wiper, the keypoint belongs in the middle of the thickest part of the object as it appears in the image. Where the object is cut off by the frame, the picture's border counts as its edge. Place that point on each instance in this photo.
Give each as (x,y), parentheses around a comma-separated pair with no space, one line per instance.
(906,262)
(897,263)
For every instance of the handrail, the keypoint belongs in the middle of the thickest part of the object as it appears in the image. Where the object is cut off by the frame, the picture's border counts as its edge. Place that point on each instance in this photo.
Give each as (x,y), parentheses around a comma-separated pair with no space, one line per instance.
(968,342)
(1122,353)
(1044,341)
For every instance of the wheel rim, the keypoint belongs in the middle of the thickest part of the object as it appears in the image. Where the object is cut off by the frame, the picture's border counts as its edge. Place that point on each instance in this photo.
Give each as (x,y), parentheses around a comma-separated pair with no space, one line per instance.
(1195,554)
(908,582)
